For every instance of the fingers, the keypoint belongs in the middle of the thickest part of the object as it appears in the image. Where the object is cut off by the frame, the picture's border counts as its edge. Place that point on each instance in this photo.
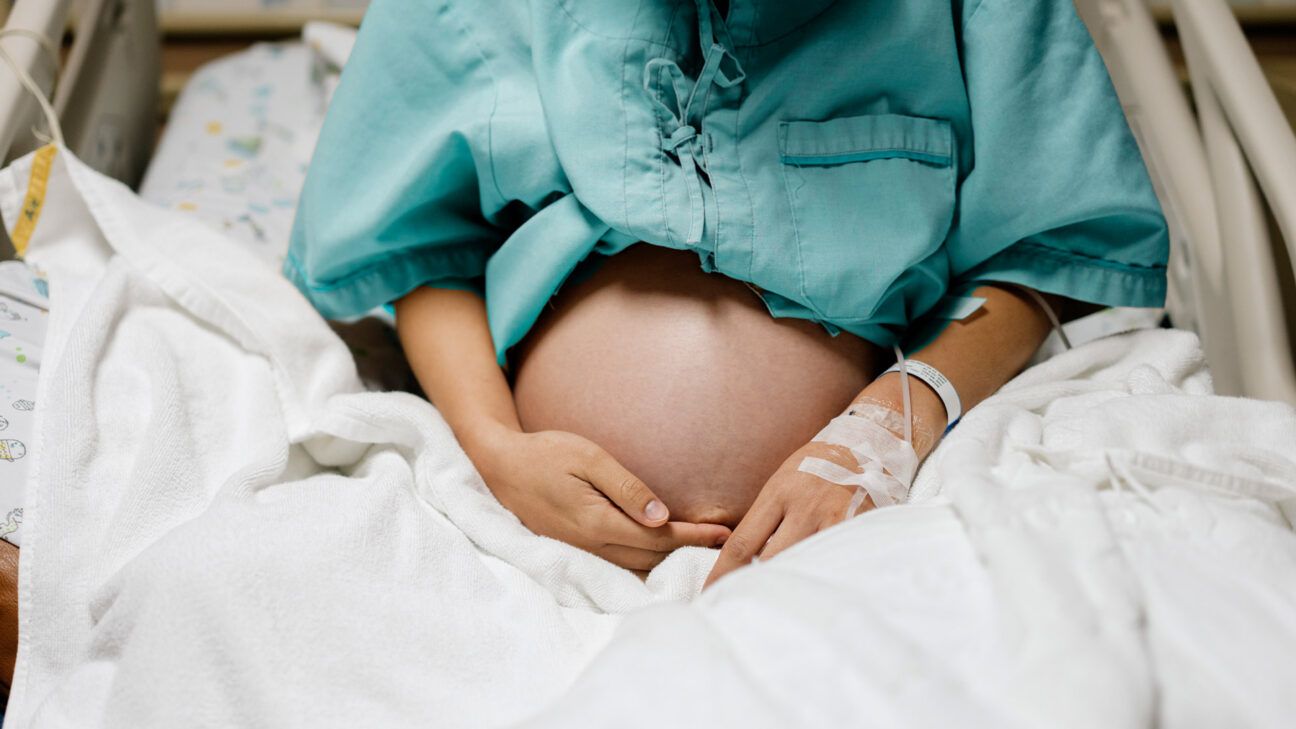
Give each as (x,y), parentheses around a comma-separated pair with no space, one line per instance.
(631,558)
(789,532)
(624,489)
(669,536)
(747,540)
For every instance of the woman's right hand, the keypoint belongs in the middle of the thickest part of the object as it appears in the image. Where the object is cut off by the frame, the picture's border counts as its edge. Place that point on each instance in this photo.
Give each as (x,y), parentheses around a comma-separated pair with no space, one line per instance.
(559,484)
(565,487)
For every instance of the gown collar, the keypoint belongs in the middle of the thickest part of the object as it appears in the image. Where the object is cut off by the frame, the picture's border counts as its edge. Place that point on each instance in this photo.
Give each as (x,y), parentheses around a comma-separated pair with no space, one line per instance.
(757,22)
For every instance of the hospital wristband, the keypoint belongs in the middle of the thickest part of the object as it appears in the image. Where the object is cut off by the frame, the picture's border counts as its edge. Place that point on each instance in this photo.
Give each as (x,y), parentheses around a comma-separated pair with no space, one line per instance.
(938,382)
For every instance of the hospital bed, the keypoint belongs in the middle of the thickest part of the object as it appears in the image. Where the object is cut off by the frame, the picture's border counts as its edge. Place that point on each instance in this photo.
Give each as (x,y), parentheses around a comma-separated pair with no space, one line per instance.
(1198,164)
(1226,174)
(1215,173)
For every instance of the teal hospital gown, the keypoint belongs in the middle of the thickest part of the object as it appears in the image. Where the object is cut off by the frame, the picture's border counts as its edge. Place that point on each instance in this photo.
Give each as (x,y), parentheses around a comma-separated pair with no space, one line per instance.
(857,161)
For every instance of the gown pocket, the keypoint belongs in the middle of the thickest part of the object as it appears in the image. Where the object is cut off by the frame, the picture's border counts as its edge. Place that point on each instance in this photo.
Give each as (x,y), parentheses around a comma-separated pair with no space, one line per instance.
(871,197)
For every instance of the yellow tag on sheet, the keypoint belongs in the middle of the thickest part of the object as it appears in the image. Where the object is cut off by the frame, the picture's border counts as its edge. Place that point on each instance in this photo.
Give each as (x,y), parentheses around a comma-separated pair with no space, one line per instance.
(34,200)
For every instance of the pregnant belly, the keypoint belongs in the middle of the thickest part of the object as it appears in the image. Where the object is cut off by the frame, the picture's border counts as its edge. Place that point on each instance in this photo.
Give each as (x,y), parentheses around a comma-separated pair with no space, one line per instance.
(685,378)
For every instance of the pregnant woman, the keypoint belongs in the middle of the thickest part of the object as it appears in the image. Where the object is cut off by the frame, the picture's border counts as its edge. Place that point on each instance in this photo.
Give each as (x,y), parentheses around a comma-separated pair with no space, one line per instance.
(652,259)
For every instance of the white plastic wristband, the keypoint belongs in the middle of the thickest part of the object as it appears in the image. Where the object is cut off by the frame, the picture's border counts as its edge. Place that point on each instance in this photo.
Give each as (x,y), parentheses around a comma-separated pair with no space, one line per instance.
(938,382)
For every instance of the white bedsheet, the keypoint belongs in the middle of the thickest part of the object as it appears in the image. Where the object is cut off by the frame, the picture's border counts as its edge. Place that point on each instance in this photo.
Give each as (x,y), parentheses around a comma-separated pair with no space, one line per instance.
(225,532)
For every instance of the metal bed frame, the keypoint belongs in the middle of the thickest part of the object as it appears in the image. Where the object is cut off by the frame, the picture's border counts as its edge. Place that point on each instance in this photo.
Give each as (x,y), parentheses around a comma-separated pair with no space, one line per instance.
(1220,172)
(1225,263)
(107,90)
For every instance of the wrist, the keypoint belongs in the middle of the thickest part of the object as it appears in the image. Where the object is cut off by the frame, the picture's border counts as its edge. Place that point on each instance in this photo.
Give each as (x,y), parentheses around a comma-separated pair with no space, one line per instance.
(928,412)
(484,438)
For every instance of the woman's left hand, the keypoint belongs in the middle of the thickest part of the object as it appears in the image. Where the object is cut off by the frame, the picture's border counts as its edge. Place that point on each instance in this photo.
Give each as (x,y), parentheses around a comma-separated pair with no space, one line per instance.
(790,507)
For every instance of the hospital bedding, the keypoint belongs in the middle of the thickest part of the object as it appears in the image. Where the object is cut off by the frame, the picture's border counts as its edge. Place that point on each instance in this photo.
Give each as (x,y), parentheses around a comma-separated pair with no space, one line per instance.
(234,156)
(1054,574)
(24,307)
(240,136)
(261,543)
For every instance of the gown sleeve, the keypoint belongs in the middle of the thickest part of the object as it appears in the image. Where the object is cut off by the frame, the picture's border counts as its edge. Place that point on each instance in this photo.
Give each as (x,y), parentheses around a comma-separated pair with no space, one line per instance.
(1057,198)
(434,148)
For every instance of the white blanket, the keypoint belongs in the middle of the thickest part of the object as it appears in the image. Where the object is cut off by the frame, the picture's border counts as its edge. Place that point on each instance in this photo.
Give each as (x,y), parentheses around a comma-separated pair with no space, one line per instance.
(224,531)
(1091,561)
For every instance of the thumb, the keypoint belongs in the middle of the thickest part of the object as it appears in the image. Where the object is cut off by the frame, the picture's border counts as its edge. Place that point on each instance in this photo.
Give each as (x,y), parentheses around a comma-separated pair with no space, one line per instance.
(624,489)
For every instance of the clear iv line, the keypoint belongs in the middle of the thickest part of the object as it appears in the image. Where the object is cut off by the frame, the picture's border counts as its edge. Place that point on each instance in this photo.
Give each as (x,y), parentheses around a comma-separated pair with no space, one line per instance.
(29,83)
(904,394)
(1048,311)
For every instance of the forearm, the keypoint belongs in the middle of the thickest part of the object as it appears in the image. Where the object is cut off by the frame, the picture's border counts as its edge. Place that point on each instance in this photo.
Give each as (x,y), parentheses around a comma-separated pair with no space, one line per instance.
(977,354)
(447,341)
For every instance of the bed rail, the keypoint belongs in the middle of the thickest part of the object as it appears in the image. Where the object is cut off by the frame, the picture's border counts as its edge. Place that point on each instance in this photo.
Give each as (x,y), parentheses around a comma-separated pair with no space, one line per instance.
(18,110)
(106,95)
(1248,140)
(1224,278)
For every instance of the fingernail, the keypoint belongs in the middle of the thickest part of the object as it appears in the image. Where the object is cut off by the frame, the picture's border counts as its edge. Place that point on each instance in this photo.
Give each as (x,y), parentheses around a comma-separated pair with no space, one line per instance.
(655,510)
(723,538)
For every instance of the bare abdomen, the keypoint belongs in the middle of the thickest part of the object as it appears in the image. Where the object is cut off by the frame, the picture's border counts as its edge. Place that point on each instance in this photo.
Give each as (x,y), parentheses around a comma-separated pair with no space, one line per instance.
(685,378)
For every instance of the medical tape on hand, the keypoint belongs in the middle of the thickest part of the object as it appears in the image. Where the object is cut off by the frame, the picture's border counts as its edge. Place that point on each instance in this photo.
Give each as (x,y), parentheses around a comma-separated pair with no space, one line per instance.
(938,382)
(881,487)
(870,409)
(889,463)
